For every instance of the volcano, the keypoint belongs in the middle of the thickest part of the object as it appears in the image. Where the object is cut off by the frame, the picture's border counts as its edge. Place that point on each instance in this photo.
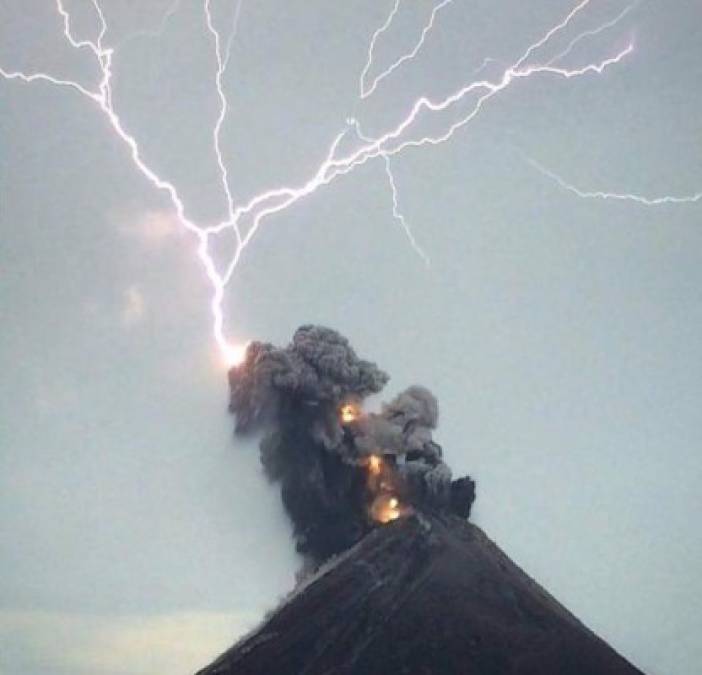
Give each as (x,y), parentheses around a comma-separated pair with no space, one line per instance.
(398,581)
(426,594)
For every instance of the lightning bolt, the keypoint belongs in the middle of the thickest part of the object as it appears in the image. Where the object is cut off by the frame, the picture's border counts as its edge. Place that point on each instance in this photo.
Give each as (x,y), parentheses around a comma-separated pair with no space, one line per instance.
(155,32)
(371,47)
(222,61)
(367,91)
(617,196)
(393,191)
(390,143)
(591,33)
(103,99)
(232,34)
(399,217)
(472,97)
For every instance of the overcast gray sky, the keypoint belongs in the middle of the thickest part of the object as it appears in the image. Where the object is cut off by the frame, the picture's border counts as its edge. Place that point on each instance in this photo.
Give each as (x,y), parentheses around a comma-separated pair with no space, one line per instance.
(560,334)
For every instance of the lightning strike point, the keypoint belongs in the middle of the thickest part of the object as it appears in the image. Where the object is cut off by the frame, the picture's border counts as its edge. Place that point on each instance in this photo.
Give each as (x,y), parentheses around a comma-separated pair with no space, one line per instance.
(234,354)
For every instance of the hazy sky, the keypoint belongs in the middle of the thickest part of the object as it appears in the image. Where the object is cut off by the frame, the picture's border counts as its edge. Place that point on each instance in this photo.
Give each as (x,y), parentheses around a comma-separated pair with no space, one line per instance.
(561,335)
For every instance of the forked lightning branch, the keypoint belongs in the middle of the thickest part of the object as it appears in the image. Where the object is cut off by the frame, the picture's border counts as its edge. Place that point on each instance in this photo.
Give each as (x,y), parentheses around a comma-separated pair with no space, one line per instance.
(537,60)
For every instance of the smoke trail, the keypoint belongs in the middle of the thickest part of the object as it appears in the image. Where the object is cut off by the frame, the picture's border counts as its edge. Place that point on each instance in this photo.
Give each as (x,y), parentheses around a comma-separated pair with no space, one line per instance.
(342,471)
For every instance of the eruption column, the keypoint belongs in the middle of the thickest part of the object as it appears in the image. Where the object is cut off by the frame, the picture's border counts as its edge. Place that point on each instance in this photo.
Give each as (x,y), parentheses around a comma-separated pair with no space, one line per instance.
(341,471)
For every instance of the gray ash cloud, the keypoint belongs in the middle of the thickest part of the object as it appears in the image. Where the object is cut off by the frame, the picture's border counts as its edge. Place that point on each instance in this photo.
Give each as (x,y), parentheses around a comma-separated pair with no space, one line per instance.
(342,471)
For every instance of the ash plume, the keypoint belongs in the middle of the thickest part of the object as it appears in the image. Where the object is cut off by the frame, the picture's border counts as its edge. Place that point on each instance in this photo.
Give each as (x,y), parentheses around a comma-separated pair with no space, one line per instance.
(342,471)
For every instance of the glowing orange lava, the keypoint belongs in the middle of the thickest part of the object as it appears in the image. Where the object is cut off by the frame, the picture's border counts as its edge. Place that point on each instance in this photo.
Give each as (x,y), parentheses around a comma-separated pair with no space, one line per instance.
(375,465)
(349,412)
(386,508)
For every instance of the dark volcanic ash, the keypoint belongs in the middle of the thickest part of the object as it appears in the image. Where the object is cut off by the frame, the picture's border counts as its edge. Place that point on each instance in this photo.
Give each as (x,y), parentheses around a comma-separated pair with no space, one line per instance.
(342,471)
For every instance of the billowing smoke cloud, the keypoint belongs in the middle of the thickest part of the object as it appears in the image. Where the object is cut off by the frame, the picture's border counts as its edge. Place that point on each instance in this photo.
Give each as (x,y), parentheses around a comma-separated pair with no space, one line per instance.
(342,471)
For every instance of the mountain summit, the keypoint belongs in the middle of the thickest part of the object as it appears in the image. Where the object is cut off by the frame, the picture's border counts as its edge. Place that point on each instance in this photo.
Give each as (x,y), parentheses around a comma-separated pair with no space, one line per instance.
(426,594)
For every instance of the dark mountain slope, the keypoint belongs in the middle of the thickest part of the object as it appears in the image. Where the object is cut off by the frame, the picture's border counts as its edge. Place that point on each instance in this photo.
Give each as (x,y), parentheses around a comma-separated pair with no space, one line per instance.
(423,595)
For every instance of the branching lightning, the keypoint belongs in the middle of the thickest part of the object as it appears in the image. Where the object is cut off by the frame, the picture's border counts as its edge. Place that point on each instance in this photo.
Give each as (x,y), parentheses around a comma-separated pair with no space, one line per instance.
(393,191)
(591,33)
(103,98)
(617,196)
(222,61)
(399,217)
(368,90)
(371,46)
(465,104)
